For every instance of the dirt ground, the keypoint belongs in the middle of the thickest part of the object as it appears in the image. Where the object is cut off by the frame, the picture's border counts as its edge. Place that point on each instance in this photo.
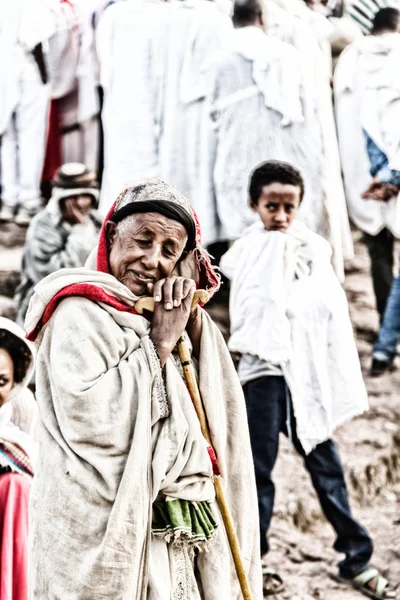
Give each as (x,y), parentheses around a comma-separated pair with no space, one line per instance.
(301,540)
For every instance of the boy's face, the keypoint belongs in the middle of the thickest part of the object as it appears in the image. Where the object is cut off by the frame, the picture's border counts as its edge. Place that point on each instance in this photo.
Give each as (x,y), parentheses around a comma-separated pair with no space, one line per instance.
(277,205)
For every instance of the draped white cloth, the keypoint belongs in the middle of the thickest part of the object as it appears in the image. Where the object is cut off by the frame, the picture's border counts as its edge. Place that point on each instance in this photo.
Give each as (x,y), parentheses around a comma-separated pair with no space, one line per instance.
(130,43)
(156,130)
(198,30)
(367,94)
(116,431)
(259,108)
(288,307)
(294,23)
(23,25)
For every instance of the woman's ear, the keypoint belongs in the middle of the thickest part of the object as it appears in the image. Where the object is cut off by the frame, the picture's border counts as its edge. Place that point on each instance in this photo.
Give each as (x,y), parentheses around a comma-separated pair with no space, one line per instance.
(111,231)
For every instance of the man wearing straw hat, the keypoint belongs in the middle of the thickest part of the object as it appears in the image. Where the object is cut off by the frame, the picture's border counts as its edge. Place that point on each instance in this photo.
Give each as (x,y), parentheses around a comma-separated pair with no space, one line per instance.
(124,494)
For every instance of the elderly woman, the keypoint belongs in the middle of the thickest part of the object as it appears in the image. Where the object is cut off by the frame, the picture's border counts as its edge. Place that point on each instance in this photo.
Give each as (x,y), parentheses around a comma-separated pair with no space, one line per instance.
(18,416)
(123,501)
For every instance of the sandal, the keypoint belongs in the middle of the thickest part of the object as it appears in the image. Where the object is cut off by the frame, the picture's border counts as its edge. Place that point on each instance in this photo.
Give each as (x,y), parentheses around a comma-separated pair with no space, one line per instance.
(360,582)
(272,582)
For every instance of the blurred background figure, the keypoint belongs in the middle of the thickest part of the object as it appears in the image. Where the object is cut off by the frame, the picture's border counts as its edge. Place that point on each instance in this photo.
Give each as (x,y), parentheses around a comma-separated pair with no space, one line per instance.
(368,113)
(18,450)
(260,107)
(74,116)
(309,32)
(362,12)
(385,348)
(198,31)
(156,130)
(130,44)
(25,28)
(63,234)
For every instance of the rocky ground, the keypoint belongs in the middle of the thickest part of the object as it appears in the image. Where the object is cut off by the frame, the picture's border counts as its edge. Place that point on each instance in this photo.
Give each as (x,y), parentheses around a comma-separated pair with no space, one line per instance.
(301,541)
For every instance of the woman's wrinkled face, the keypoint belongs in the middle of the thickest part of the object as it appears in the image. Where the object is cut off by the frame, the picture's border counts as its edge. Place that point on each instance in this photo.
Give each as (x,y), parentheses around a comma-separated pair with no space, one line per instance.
(6,375)
(144,250)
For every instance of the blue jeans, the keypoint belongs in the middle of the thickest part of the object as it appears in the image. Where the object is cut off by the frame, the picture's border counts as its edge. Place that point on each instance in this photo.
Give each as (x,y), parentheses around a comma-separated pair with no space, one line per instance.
(268,401)
(385,347)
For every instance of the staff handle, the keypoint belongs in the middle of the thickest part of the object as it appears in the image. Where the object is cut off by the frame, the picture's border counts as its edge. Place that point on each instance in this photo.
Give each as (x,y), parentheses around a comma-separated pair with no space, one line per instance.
(190,376)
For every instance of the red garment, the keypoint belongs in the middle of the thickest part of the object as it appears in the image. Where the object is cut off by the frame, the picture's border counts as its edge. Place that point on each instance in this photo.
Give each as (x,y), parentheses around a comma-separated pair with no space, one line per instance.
(14,501)
(53,157)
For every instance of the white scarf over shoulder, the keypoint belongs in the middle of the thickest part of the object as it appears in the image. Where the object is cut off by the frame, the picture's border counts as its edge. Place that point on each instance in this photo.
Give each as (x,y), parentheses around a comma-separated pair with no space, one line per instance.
(367,96)
(287,307)
(276,72)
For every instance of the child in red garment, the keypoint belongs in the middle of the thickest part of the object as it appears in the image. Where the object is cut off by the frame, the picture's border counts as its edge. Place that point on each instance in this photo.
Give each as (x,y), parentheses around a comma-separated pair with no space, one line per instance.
(18,415)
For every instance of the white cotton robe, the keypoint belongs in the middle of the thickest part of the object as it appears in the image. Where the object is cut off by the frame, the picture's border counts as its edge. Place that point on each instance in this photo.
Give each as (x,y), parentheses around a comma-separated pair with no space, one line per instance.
(366,74)
(130,47)
(198,30)
(292,22)
(24,100)
(259,109)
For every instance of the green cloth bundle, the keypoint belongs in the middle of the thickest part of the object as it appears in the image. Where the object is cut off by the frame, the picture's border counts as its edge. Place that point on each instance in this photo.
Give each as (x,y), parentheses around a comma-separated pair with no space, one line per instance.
(181,521)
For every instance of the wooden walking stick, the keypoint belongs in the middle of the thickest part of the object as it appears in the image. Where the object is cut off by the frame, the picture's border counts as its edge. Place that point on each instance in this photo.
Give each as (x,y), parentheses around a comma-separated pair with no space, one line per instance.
(186,360)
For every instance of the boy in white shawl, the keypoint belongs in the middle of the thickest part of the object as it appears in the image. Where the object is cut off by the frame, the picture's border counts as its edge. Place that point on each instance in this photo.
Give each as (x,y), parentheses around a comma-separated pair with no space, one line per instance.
(299,366)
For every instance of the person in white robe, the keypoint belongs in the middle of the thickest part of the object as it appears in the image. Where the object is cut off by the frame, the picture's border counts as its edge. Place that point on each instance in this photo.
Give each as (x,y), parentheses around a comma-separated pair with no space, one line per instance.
(130,47)
(25,28)
(258,108)
(125,472)
(74,84)
(308,32)
(198,30)
(367,98)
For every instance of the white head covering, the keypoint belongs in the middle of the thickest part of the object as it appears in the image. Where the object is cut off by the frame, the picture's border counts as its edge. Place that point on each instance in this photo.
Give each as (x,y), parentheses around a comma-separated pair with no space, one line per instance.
(18,416)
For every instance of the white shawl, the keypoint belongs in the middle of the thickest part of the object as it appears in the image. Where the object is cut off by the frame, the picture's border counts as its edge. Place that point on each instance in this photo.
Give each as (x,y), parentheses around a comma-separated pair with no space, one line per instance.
(108,451)
(130,44)
(367,96)
(294,23)
(380,109)
(18,416)
(23,25)
(288,307)
(280,85)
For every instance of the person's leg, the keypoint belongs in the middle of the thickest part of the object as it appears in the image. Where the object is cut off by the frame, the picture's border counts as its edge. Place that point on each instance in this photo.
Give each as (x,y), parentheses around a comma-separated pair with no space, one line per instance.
(9,168)
(326,471)
(265,403)
(385,348)
(380,249)
(32,124)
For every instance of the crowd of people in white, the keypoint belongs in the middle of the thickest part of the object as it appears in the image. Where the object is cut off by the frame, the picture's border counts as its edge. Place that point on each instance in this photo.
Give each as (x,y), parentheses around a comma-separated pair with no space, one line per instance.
(196,95)
(278,120)
(184,95)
